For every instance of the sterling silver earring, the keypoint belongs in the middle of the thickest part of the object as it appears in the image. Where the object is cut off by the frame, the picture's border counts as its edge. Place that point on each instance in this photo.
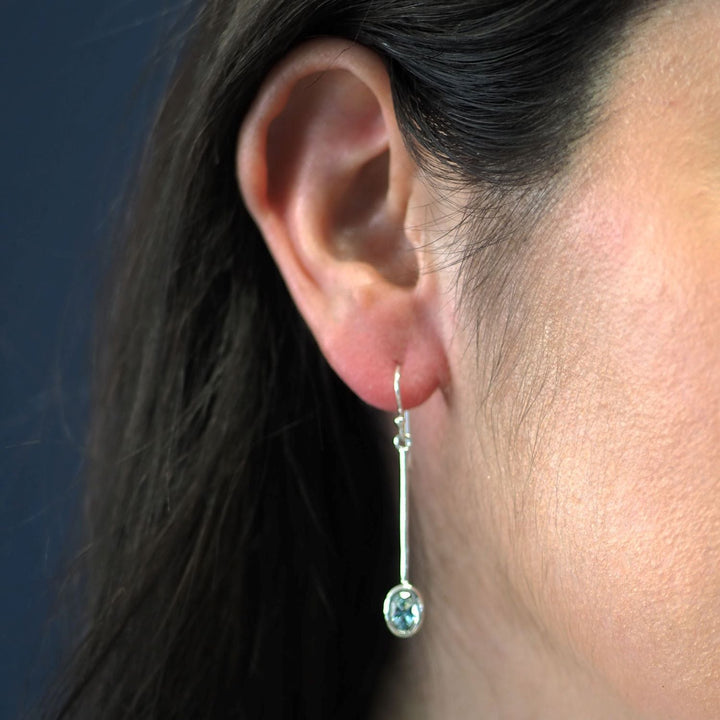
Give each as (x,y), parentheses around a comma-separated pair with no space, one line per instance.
(403,607)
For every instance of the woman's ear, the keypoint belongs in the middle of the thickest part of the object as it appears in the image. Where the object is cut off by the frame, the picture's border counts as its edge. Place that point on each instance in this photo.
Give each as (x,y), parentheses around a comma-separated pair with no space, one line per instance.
(325,173)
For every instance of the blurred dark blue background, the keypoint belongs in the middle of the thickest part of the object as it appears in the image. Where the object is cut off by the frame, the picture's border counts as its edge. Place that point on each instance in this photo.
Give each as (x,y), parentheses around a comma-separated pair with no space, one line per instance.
(73,113)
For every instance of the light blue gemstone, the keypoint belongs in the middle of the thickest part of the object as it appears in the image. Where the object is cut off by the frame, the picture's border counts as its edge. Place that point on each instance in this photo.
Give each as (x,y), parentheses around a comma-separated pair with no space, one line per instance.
(403,610)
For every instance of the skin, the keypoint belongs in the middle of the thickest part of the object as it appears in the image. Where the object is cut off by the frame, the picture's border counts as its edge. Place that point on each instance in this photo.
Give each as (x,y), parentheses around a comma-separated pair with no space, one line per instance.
(566,516)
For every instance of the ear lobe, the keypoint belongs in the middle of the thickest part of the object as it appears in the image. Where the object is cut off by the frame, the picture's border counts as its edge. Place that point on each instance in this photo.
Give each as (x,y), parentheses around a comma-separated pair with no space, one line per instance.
(324,171)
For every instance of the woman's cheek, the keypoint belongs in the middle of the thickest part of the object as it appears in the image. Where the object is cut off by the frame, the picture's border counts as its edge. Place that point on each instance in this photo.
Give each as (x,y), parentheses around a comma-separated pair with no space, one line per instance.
(627,480)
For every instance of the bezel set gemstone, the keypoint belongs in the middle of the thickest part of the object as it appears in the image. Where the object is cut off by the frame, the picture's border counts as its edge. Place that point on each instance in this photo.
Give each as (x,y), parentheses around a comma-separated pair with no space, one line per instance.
(403,610)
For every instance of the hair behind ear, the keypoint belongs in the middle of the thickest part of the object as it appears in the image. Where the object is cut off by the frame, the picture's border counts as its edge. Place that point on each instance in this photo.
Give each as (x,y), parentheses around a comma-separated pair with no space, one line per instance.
(240,538)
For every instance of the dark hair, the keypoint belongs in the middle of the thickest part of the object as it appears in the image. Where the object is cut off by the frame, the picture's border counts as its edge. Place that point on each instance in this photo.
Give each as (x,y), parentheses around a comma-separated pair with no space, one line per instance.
(240,517)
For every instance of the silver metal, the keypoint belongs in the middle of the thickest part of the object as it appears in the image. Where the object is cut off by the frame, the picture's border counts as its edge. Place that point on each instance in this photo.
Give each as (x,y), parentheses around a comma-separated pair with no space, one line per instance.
(403,607)
(403,443)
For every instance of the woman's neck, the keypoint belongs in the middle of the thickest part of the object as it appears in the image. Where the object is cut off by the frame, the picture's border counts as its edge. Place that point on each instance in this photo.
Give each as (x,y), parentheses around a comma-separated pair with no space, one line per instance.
(457,669)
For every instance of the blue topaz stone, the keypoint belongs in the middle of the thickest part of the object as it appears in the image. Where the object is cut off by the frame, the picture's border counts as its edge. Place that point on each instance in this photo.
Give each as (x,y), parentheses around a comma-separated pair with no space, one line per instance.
(403,610)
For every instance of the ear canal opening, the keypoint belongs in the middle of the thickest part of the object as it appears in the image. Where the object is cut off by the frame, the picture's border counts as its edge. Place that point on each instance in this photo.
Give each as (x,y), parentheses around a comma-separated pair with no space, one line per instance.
(364,229)
(364,199)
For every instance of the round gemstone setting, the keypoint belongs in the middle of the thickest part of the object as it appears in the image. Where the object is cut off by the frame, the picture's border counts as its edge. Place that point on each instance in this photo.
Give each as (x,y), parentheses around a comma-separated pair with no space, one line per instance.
(403,610)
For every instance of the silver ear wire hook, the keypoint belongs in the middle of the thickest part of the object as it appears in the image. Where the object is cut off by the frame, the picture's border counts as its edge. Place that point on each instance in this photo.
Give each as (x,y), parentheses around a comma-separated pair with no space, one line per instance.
(403,607)
(396,387)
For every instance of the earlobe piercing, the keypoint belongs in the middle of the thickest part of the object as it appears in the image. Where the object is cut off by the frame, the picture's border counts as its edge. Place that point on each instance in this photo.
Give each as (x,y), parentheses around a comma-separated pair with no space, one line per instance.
(403,607)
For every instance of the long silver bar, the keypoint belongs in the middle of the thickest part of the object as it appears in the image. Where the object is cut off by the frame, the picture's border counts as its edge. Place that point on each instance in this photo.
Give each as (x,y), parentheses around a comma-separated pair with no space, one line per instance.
(403,442)
(403,447)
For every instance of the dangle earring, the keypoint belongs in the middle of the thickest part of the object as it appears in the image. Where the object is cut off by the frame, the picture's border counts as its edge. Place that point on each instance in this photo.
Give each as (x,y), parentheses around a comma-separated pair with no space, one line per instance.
(403,606)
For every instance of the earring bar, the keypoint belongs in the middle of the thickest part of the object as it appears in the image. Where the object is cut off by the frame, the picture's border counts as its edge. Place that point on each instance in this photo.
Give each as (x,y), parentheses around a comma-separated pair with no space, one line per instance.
(403,443)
